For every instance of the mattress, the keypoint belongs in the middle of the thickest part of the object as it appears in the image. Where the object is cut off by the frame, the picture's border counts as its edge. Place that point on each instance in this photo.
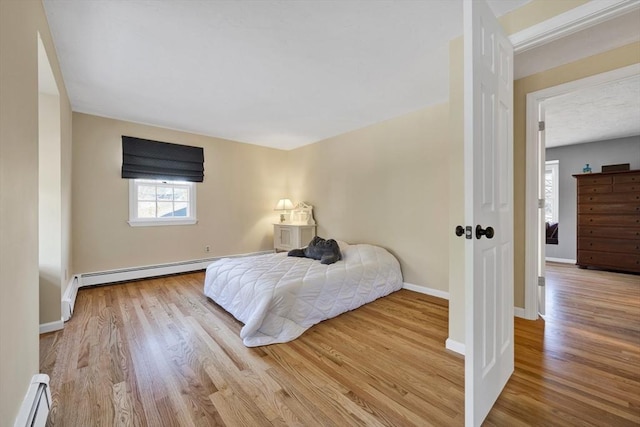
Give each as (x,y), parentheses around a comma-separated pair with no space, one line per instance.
(278,297)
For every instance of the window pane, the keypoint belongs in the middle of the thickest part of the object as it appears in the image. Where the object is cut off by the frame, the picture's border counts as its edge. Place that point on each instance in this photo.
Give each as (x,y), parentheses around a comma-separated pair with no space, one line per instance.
(146,192)
(165,193)
(181,194)
(181,209)
(165,209)
(146,209)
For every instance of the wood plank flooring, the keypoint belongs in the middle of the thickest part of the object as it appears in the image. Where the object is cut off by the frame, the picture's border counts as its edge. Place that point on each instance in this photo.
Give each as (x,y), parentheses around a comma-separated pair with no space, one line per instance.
(159,353)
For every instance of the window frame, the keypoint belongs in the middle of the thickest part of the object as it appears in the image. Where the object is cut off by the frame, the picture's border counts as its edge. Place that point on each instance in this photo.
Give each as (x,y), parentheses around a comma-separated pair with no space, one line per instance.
(553,166)
(135,221)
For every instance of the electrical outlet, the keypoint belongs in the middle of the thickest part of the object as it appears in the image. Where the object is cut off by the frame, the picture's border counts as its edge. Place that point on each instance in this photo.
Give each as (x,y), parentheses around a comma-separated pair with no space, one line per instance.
(207,248)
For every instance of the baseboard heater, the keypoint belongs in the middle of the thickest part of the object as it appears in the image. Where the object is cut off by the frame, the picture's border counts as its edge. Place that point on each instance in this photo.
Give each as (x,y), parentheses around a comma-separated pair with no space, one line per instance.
(69,298)
(36,404)
(135,273)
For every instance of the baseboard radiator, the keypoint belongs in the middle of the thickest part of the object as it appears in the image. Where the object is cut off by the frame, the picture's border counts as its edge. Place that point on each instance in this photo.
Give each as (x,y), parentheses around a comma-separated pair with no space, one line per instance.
(135,273)
(69,298)
(37,403)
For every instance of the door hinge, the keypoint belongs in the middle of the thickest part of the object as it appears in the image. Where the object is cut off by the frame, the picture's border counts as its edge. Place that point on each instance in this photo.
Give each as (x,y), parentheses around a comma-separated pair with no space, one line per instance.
(541,203)
(541,281)
(540,126)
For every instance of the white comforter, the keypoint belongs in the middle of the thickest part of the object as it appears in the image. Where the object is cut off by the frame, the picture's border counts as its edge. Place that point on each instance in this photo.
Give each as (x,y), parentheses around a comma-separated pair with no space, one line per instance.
(278,297)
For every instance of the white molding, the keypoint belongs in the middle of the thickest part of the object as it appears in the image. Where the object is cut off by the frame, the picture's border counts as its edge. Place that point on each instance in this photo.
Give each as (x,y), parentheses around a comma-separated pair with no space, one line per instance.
(571,21)
(455,346)
(561,260)
(534,102)
(519,312)
(531,233)
(425,290)
(52,326)
(142,272)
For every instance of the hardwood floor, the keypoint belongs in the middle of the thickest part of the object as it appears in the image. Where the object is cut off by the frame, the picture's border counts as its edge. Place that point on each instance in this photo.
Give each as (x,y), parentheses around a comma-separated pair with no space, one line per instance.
(159,353)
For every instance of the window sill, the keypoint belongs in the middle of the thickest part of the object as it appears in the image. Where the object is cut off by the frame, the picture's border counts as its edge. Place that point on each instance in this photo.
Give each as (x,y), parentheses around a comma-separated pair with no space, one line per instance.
(158,222)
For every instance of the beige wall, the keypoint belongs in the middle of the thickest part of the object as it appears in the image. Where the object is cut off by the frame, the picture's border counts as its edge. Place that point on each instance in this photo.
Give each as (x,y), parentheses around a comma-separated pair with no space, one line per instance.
(49,207)
(20,22)
(386,185)
(235,202)
(532,13)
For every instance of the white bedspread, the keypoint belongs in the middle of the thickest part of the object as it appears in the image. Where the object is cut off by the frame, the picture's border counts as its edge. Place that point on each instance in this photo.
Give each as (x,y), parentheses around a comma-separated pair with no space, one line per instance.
(278,297)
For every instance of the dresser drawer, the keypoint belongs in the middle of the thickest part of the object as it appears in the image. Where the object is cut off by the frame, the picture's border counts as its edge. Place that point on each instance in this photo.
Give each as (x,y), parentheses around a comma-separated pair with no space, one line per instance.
(609,208)
(619,179)
(609,198)
(613,220)
(609,232)
(627,187)
(609,245)
(627,262)
(585,181)
(591,189)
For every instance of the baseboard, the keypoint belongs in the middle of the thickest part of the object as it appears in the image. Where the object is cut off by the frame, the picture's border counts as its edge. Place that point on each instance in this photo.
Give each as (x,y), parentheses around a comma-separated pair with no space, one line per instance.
(519,312)
(425,290)
(562,260)
(52,326)
(454,346)
(143,272)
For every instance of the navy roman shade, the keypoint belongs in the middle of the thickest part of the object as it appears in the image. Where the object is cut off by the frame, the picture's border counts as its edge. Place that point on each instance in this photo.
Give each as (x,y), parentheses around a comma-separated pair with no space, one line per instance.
(144,158)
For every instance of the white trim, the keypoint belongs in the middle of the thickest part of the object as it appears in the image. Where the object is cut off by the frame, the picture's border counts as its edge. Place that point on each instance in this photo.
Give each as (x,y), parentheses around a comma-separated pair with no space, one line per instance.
(142,272)
(571,21)
(425,290)
(454,346)
(519,312)
(534,102)
(160,222)
(52,326)
(561,260)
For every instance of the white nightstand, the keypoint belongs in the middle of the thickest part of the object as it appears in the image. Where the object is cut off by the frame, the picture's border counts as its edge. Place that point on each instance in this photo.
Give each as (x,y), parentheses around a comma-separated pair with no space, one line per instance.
(292,236)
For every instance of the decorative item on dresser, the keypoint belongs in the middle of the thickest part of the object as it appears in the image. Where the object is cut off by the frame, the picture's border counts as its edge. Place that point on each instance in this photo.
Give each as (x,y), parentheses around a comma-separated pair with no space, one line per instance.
(609,220)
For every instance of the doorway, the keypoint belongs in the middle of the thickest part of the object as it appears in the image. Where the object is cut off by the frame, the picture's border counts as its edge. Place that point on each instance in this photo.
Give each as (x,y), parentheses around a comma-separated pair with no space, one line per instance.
(535,161)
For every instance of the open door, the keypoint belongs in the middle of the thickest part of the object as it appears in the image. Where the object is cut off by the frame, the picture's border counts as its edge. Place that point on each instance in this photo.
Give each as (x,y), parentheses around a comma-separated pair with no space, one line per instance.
(488,155)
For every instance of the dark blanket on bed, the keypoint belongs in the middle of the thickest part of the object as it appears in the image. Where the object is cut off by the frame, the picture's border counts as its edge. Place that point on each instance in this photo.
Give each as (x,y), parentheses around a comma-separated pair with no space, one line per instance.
(327,251)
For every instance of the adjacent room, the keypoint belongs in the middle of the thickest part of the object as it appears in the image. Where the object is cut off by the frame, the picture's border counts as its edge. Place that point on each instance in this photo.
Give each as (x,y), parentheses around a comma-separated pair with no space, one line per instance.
(254,213)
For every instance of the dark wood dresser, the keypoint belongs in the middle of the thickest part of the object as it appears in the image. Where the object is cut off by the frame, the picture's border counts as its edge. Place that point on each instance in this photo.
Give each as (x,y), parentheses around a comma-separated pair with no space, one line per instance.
(609,220)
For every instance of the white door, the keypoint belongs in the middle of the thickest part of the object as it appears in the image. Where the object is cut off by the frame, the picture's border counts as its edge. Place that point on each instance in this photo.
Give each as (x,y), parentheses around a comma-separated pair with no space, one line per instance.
(488,152)
(542,235)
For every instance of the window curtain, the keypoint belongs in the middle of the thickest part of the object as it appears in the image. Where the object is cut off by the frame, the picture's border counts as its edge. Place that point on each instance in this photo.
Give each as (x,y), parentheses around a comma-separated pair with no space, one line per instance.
(143,158)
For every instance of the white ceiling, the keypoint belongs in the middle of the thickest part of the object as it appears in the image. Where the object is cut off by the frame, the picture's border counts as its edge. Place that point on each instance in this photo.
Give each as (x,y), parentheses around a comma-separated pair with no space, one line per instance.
(275,73)
(603,112)
(285,74)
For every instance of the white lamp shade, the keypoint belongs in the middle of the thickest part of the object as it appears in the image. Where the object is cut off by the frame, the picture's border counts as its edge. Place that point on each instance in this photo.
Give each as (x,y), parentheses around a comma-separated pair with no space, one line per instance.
(283,205)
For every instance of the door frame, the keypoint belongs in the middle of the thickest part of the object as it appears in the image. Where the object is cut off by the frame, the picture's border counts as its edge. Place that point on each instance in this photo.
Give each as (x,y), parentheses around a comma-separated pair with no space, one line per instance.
(569,22)
(532,234)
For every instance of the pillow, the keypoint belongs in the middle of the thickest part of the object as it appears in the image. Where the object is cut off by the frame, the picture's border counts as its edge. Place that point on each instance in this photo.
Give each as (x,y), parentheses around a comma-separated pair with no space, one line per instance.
(327,251)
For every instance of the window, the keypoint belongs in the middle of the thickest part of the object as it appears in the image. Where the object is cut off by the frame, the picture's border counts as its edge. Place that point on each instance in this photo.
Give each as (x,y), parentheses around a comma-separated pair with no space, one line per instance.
(551,191)
(155,202)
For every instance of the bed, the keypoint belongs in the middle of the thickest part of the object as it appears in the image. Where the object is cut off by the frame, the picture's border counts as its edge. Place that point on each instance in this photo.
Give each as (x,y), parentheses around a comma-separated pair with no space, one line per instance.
(278,297)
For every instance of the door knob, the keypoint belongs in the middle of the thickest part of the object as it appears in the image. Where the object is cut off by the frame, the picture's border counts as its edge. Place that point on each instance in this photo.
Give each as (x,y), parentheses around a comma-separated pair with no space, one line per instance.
(484,232)
(459,230)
